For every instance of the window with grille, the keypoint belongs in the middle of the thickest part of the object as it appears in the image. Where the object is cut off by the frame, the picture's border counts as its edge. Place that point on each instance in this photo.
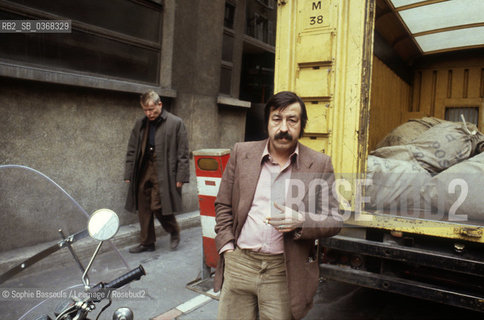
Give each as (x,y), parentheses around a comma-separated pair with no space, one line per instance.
(116,39)
(229,15)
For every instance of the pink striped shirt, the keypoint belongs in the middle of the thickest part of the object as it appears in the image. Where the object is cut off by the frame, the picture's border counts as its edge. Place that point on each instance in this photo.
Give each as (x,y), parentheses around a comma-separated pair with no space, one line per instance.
(256,234)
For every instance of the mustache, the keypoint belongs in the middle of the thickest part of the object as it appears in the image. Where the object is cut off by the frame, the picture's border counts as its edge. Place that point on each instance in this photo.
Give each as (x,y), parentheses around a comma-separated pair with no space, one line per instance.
(283,135)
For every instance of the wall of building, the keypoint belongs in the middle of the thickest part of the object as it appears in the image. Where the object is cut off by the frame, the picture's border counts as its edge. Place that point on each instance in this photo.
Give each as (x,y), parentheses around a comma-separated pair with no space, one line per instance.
(196,77)
(78,135)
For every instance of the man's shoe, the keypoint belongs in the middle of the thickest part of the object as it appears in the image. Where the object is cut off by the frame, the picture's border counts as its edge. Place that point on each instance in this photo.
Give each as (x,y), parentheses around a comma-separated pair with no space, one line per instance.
(141,248)
(174,241)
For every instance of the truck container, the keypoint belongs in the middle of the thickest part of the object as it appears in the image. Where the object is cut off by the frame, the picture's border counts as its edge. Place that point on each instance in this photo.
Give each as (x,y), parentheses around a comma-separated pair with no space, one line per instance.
(364,67)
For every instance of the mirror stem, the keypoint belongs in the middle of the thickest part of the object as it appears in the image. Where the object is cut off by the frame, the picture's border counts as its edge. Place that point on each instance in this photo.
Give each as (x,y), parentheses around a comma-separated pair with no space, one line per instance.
(85,279)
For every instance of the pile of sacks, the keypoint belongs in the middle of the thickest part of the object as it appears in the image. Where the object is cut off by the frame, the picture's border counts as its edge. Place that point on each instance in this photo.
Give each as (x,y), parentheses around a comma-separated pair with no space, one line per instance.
(429,165)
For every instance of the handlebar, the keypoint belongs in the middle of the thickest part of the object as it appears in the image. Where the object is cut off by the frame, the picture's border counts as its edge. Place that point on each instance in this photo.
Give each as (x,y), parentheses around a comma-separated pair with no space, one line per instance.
(126,278)
(120,281)
(99,292)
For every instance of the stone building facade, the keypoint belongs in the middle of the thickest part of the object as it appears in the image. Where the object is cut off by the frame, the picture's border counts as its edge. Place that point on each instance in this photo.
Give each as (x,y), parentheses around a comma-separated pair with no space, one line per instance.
(69,100)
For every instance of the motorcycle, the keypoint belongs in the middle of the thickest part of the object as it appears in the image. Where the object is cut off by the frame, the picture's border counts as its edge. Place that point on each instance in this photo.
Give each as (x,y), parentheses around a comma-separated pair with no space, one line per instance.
(49,291)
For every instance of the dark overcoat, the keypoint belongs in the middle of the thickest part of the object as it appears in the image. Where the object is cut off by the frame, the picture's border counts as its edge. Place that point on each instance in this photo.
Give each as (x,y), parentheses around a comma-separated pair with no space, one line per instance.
(234,201)
(172,164)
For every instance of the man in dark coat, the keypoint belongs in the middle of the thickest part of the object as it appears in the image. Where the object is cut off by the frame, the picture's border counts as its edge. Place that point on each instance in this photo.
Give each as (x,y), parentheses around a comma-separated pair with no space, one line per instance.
(156,168)
(275,199)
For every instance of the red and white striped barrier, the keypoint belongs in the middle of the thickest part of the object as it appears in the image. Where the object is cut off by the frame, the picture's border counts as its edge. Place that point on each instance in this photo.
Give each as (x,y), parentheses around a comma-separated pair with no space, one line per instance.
(209,166)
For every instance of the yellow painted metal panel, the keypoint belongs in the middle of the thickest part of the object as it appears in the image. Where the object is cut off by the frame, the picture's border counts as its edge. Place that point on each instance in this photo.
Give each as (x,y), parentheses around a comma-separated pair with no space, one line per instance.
(314,81)
(325,58)
(284,72)
(303,39)
(315,15)
(444,229)
(351,69)
(309,48)
(319,144)
(318,116)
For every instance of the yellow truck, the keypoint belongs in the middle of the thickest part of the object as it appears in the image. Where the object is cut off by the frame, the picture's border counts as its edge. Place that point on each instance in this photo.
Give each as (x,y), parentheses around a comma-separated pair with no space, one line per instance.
(364,67)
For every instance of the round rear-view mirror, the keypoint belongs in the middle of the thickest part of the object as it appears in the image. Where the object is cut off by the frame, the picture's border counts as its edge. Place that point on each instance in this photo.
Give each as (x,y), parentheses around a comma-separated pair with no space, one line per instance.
(103,224)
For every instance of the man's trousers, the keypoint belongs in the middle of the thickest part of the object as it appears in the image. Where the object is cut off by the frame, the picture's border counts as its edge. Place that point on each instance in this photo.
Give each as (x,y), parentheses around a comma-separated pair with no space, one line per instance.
(254,283)
(149,205)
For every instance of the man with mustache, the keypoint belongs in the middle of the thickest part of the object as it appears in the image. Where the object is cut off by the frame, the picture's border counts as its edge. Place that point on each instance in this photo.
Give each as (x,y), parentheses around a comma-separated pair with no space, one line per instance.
(274,200)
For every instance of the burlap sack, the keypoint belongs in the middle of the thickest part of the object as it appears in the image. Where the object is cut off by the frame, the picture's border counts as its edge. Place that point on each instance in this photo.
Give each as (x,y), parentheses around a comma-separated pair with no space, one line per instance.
(408,131)
(429,122)
(402,153)
(438,148)
(396,185)
(445,145)
(457,193)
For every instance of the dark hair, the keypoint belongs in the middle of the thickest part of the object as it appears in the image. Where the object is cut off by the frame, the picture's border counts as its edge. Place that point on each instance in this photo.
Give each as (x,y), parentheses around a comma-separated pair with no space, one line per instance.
(280,101)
